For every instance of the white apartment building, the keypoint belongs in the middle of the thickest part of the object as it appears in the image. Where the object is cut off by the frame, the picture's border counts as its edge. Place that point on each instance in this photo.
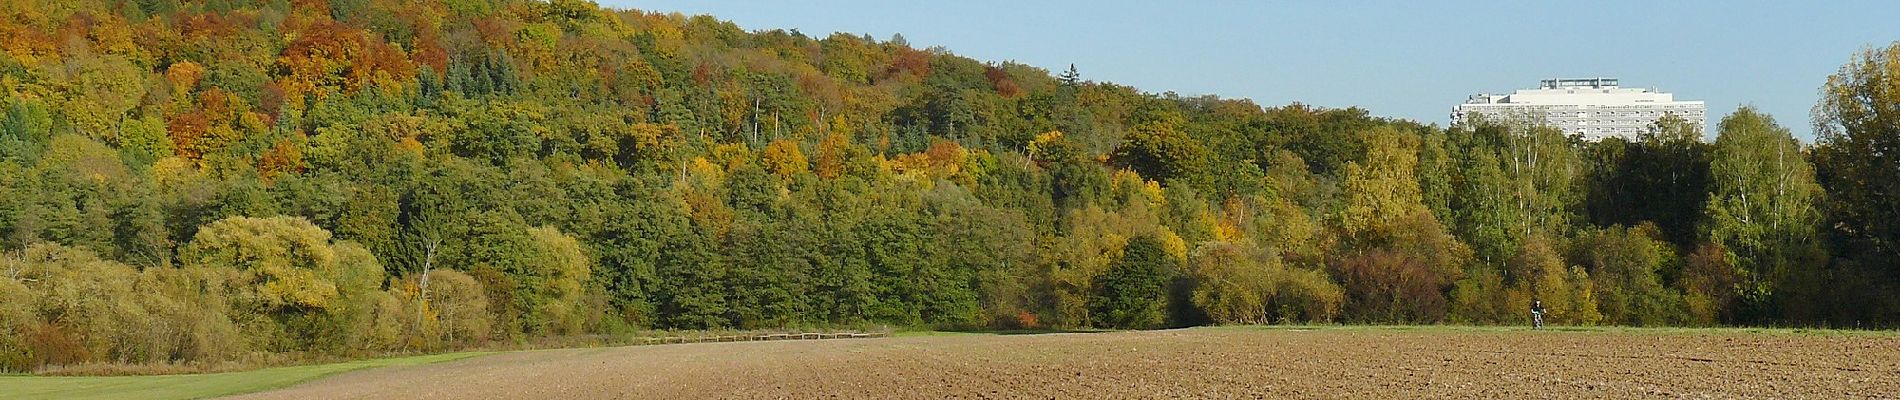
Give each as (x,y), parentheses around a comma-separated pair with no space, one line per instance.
(1594,108)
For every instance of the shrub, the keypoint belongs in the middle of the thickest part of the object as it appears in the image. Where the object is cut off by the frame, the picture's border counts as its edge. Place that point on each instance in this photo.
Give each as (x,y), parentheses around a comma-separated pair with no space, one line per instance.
(1307,295)
(1625,266)
(289,287)
(1243,284)
(15,315)
(455,315)
(1388,286)
(64,306)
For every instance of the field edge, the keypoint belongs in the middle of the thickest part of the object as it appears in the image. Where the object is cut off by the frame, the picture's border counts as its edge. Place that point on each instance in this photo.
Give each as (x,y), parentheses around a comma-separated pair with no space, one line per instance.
(198,386)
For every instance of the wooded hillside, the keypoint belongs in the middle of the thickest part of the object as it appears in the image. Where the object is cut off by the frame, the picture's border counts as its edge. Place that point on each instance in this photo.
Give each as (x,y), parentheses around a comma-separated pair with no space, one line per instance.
(198,181)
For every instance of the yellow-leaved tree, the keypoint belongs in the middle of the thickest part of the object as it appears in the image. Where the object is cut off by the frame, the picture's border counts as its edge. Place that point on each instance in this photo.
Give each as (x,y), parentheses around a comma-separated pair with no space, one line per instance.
(289,287)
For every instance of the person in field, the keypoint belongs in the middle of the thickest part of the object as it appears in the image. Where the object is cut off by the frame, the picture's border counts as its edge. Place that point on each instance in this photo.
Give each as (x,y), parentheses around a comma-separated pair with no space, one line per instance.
(1537,314)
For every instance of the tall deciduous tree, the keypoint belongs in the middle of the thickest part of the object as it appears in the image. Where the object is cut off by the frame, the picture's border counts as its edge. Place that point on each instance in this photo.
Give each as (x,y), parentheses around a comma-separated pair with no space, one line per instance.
(1160,151)
(1857,161)
(1397,259)
(1384,189)
(424,243)
(1764,205)
(1857,124)
(1516,180)
(1661,177)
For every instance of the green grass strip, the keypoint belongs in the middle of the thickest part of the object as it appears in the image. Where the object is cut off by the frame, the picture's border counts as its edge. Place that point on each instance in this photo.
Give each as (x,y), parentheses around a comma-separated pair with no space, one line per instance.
(193,386)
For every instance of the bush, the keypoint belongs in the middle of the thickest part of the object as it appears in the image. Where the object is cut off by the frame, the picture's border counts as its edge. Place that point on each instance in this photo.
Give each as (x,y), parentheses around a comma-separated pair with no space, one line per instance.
(192,324)
(1481,298)
(1242,284)
(455,315)
(1388,286)
(1708,284)
(1307,295)
(1232,283)
(289,287)
(1401,274)
(15,315)
(1625,266)
(366,314)
(86,309)
(66,306)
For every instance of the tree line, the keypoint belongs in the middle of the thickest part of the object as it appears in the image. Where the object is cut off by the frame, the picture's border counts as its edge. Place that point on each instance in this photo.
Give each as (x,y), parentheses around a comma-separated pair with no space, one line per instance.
(197,182)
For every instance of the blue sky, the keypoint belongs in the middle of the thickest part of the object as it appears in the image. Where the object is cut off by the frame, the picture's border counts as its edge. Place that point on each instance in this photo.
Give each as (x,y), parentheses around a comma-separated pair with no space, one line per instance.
(1396,58)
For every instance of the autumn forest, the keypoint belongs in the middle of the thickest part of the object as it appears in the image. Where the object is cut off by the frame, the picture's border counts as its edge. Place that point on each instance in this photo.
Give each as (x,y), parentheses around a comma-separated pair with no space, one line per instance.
(204,181)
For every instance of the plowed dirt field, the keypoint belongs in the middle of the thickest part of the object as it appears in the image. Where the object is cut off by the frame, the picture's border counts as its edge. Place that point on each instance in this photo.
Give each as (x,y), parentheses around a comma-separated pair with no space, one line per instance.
(1243,362)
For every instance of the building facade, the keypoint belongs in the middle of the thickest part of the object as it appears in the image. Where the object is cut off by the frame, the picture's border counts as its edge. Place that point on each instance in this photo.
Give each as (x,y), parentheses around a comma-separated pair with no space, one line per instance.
(1595,108)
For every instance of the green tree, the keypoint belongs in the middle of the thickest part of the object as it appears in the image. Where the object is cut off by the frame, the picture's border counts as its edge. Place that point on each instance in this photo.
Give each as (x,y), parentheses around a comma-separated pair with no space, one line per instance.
(552,283)
(1159,151)
(1858,145)
(1514,181)
(768,290)
(691,291)
(1764,209)
(1626,266)
(1075,181)
(1662,177)
(987,253)
(1857,162)
(1132,292)
(24,130)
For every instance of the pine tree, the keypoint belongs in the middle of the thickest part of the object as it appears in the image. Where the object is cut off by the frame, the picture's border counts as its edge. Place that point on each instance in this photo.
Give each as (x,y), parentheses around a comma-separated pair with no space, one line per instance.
(1071,78)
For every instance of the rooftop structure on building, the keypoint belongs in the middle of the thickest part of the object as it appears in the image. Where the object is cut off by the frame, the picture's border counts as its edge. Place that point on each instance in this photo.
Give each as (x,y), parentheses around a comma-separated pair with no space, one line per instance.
(1594,108)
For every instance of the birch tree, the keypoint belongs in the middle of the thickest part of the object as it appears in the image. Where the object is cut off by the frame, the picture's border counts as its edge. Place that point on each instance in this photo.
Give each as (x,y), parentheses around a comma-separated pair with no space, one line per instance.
(425,240)
(1762,205)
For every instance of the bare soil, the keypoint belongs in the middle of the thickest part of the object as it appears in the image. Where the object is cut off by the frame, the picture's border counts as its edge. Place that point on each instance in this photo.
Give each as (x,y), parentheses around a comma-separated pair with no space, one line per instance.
(1191,363)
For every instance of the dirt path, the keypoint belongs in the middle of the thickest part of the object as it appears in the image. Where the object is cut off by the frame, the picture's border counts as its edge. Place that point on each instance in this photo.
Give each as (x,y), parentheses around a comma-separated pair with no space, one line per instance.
(1217,363)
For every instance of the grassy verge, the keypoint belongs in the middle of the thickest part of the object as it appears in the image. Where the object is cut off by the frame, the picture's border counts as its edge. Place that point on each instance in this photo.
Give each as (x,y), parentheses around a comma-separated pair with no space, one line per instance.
(193,386)
(203,385)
